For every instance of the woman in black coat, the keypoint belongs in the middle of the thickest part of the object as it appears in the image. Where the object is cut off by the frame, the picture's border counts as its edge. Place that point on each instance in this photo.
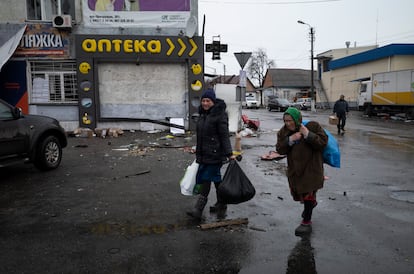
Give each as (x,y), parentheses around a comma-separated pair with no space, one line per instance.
(213,148)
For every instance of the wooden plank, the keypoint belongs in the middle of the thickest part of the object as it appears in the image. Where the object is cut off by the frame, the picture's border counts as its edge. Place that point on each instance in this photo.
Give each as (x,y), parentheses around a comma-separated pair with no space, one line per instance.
(239,221)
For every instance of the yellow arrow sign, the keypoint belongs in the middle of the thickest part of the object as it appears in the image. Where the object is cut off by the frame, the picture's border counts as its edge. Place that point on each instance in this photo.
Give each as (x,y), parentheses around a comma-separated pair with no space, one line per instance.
(183,47)
(172,47)
(194,45)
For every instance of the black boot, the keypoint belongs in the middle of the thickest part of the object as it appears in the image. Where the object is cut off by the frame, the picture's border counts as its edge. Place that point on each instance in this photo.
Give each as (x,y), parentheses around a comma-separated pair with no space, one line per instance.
(305,228)
(197,212)
(218,206)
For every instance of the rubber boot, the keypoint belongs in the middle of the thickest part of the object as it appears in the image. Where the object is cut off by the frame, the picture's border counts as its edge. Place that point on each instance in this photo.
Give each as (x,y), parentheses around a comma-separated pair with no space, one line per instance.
(304,229)
(197,212)
(218,206)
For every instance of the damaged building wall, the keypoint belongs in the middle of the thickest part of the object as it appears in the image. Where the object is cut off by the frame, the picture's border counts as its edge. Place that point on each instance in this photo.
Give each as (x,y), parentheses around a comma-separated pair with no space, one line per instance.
(147,91)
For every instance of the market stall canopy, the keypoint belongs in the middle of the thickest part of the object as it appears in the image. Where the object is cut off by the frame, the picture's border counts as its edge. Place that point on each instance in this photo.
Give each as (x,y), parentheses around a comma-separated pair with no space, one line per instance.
(10,36)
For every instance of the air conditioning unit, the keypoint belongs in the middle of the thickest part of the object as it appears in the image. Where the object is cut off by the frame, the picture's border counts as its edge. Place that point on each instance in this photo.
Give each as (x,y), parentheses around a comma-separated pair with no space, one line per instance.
(62,21)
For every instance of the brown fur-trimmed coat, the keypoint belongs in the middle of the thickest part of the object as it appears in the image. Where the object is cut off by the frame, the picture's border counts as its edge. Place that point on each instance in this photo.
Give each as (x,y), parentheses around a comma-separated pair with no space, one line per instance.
(305,162)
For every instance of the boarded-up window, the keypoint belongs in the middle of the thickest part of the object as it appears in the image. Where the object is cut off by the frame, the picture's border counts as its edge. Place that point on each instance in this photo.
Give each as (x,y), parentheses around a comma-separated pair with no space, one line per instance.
(147,91)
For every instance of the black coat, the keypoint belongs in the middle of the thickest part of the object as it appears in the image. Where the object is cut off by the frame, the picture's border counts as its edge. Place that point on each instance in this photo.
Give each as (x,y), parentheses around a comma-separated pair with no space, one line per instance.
(213,137)
(340,107)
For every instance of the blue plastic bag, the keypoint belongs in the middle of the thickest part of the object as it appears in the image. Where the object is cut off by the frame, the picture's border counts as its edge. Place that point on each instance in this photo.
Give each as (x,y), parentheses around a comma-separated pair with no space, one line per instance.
(331,153)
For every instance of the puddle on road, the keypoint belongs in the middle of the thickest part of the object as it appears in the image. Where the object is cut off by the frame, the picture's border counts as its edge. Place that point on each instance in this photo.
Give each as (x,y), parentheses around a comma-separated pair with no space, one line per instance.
(403,195)
(131,229)
(301,259)
(386,140)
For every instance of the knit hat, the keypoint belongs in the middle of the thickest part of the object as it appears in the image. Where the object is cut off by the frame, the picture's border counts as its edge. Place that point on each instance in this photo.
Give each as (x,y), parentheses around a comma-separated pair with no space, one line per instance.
(296,115)
(209,93)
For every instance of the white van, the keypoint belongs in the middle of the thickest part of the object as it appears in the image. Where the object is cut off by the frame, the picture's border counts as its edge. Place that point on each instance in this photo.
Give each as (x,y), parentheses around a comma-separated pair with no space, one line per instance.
(251,102)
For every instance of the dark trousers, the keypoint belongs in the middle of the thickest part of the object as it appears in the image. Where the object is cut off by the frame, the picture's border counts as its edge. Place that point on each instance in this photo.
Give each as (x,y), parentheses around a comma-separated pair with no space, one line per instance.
(341,120)
(205,188)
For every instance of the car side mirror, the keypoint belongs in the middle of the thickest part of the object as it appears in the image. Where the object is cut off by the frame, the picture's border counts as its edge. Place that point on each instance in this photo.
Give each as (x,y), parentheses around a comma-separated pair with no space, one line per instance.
(17,112)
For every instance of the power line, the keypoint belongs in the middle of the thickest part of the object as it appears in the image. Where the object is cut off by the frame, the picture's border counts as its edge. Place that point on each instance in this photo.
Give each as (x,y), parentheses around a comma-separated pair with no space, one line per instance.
(268,3)
(390,38)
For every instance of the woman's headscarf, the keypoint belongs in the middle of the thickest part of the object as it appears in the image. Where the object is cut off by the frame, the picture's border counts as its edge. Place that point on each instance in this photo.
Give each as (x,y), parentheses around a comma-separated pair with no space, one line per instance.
(296,115)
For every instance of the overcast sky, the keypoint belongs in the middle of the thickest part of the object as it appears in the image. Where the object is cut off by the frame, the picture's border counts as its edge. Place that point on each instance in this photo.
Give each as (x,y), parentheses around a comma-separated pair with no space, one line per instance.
(246,25)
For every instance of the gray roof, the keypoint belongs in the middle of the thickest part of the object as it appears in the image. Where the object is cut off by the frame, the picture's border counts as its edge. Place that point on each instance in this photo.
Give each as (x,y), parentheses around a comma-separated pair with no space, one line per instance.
(289,78)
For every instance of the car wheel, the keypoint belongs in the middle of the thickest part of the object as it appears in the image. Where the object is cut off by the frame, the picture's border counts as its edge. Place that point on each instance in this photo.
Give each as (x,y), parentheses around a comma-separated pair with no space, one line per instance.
(48,153)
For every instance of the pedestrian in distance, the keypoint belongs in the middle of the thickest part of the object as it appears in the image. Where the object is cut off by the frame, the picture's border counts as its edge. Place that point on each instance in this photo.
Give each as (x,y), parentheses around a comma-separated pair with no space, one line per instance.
(341,109)
(303,146)
(213,148)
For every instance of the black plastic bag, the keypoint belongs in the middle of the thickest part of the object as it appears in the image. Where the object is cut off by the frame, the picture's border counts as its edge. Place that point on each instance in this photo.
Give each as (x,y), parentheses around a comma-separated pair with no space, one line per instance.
(236,187)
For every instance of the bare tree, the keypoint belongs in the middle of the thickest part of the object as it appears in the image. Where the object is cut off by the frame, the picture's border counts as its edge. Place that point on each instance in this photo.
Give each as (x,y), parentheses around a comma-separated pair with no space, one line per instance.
(258,65)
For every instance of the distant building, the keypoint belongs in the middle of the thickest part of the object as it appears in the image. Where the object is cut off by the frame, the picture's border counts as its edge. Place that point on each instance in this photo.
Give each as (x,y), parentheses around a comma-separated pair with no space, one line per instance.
(288,83)
(341,70)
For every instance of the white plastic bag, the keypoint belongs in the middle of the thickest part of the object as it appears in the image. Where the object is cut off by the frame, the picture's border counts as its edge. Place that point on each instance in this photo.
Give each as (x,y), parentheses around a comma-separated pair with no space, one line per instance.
(188,181)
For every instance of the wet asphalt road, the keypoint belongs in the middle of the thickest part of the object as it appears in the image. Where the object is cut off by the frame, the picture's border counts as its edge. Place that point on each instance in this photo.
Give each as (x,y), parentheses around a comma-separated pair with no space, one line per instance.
(114,206)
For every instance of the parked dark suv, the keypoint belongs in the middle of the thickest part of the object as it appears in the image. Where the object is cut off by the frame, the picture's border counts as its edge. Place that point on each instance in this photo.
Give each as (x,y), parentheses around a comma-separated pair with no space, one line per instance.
(32,138)
(278,104)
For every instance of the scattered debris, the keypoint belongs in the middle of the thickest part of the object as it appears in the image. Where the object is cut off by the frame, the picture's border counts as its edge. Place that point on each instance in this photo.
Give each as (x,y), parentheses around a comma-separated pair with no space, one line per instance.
(189,149)
(101,132)
(140,151)
(98,132)
(115,132)
(239,221)
(83,132)
(81,146)
(257,228)
(138,173)
(114,250)
(332,198)
(272,155)
(166,137)
(154,131)
(246,132)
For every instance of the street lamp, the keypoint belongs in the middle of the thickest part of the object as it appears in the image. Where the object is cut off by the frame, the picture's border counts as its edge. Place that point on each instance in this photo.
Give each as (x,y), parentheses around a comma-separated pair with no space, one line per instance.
(215,70)
(312,39)
(224,71)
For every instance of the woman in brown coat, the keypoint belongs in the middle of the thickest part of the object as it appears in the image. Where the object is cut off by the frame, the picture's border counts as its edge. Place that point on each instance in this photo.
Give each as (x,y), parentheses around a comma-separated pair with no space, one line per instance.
(303,146)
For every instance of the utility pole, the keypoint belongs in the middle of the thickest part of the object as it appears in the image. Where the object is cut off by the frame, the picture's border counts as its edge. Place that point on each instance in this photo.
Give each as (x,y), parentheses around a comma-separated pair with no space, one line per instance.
(313,103)
(312,40)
